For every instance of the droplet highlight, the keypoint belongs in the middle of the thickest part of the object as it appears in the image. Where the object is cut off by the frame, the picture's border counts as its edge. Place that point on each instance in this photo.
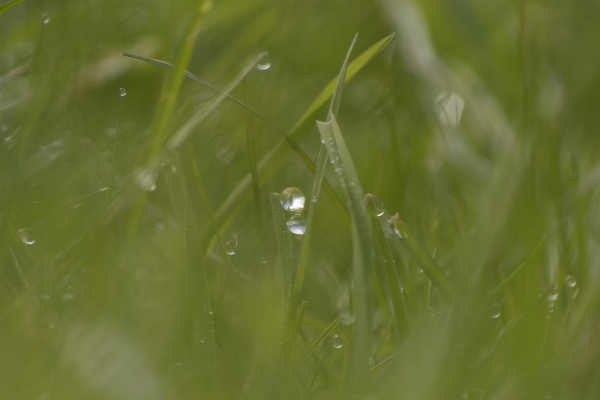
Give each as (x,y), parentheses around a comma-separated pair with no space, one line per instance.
(337,342)
(26,235)
(231,246)
(146,180)
(297,224)
(570,281)
(495,311)
(292,199)
(122,92)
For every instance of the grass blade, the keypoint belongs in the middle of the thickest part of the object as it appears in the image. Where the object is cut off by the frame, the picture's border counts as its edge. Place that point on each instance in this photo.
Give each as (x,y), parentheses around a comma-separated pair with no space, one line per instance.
(9,5)
(391,274)
(279,154)
(167,108)
(314,196)
(361,233)
(311,347)
(422,257)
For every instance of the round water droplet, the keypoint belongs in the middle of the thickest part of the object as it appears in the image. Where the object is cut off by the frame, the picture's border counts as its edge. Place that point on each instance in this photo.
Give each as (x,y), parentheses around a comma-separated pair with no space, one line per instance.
(378,205)
(292,199)
(26,236)
(46,20)
(495,311)
(337,342)
(231,246)
(146,180)
(552,296)
(570,281)
(297,224)
(264,64)
(122,92)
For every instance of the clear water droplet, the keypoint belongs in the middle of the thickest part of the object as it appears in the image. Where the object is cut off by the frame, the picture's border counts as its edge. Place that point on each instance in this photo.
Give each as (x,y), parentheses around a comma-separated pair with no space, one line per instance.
(292,199)
(231,246)
(122,92)
(264,64)
(146,180)
(495,311)
(552,296)
(46,20)
(378,204)
(297,224)
(26,235)
(570,281)
(337,342)
(347,318)
(449,108)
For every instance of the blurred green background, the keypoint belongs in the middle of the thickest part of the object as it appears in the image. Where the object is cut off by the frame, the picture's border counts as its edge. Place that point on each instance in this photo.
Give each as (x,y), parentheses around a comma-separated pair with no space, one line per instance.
(478,124)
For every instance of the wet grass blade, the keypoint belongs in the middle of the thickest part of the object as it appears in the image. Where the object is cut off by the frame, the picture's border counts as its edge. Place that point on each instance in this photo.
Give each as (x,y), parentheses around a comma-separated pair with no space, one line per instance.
(9,5)
(167,107)
(516,272)
(285,249)
(391,274)
(254,174)
(425,261)
(361,233)
(311,347)
(273,160)
(314,196)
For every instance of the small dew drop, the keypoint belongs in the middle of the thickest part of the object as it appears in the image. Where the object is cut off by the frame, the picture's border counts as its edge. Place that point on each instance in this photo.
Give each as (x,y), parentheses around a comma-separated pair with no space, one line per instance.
(264,65)
(378,204)
(347,318)
(231,246)
(26,236)
(570,281)
(337,342)
(146,180)
(552,296)
(122,92)
(292,199)
(297,224)
(495,311)
(46,20)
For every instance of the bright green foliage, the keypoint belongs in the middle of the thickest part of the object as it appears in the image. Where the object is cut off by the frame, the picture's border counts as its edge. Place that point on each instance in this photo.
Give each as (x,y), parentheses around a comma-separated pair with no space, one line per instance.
(444,239)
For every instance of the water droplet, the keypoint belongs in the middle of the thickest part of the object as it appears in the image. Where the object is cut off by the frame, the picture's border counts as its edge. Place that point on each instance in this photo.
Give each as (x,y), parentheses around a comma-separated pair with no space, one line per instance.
(347,318)
(231,246)
(26,236)
(570,281)
(449,108)
(552,296)
(378,204)
(292,199)
(264,64)
(297,224)
(495,311)
(46,20)
(122,92)
(337,342)
(146,180)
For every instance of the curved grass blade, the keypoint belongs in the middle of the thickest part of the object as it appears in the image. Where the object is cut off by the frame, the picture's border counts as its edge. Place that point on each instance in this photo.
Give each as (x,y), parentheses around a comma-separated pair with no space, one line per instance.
(361,233)
(391,274)
(167,108)
(516,272)
(9,5)
(311,347)
(422,257)
(279,154)
(314,196)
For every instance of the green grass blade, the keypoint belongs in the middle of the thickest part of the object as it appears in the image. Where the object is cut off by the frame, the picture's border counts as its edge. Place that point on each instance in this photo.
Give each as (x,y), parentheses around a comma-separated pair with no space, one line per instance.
(279,154)
(516,272)
(314,196)
(425,261)
(9,5)
(391,274)
(361,233)
(167,107)
(311,347)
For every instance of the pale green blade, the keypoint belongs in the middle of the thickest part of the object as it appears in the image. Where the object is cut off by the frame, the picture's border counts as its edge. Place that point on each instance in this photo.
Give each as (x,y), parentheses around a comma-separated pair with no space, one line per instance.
(361,233)
(311,347)
(424,259)
(9,5)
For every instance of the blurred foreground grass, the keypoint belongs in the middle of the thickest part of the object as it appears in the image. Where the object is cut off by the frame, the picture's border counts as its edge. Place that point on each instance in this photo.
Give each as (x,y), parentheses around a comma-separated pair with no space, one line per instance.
(477,123)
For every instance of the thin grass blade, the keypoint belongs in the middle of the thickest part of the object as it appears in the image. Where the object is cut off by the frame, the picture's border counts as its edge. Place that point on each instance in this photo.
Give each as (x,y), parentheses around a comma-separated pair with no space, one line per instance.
(9,5)
(361,233)
(311,347)
(391,274)
(425,261)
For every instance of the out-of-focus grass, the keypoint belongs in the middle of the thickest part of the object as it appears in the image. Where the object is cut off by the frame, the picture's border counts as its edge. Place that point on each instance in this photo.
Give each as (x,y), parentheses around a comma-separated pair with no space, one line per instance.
(477,124)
